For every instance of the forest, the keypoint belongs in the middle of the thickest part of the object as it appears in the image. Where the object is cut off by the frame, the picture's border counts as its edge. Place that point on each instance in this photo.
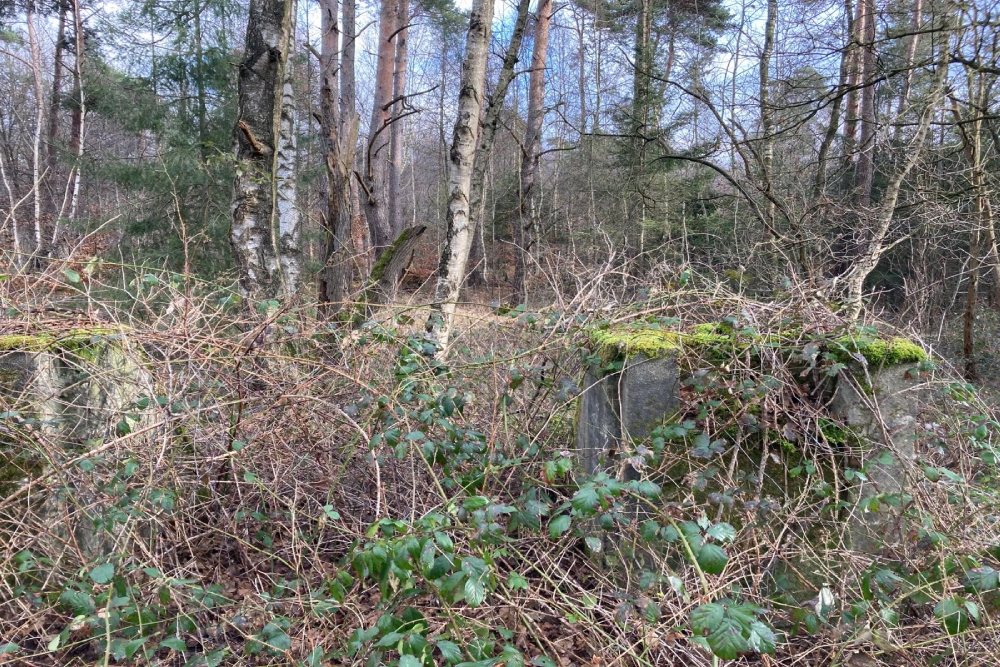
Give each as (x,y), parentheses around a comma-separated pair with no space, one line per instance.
(499,332)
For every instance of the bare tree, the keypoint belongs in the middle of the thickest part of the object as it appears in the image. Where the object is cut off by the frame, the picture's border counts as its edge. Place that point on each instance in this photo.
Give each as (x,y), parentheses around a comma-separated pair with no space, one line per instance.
(530,196)
(340,134)
(491,121)
(458,235)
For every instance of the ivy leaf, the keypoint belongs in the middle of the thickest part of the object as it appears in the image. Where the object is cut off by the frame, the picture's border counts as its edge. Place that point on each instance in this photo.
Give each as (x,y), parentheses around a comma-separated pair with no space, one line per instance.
(559,525)
(712,558)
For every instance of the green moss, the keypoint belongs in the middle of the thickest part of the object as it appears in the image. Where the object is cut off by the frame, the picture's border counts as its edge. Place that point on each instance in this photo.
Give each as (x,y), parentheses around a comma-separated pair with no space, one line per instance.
(718,338)
(834,433)
(652,343)
(879,351)
(85,343)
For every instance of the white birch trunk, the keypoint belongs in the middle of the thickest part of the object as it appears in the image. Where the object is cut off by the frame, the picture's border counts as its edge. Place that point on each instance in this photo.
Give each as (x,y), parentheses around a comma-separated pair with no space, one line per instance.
(461,159)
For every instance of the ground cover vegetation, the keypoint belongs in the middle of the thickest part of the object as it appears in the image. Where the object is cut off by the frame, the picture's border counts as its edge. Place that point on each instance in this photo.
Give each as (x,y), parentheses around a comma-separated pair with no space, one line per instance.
(303,302)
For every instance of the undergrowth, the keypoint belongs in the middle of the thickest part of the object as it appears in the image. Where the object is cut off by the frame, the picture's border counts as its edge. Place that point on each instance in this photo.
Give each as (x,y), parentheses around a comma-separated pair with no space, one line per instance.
(275,490)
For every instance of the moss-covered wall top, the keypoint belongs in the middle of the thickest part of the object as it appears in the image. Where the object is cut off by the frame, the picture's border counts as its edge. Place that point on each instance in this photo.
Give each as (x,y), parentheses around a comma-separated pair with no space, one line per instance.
(717,339)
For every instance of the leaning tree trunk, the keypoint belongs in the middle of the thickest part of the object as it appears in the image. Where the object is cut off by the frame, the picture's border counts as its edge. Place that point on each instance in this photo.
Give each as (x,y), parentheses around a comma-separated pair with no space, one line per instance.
(265,231)
(477,258)
(524,228)
(458,236)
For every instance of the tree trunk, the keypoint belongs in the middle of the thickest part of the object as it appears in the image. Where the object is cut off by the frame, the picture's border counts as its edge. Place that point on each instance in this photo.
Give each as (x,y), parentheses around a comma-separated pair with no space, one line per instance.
(340,139)
(491,121)
(868,259)
(866,158)
(79,116)
(641,81)
(376,168)
(766,117)
(265,219)
(52,141)
(524,228)
(819,185)
(396,222)
(36,144)
(911,52)
(851,106)
(199,83)
(458,236)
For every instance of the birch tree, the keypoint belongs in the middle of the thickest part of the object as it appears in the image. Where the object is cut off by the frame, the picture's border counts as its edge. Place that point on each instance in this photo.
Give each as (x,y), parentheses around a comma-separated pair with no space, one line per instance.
(491,121)
(265,228)
(461,158)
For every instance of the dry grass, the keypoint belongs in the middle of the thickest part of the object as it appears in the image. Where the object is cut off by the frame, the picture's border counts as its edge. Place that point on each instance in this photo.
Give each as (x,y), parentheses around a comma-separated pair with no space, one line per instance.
(254,468)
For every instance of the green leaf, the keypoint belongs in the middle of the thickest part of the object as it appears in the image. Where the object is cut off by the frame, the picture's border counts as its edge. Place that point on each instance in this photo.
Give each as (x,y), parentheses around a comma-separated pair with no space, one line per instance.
(727,640)
(982,579)
(408,661)
(559,525)
(543,661)
(586,499)
(77,601)
(102,574)
(712,558)
(8,648)
(449,651)
(516,582)
(315,657)
(762,639)
(475,591)
(72,276)
(954,614)
(594,544)
(707,617)
(210,659)
(721,532)
(174,644)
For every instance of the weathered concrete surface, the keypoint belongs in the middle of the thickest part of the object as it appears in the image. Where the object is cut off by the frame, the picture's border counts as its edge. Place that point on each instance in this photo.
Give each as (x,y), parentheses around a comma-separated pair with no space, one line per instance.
(60,398)
(598,429)
(650,393)
(624,407)
(883,417)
